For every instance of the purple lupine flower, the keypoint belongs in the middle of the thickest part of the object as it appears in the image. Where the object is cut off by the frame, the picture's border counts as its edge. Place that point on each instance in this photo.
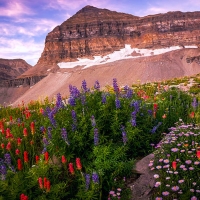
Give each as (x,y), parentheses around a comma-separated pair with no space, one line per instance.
(42,129)
(133,118)
(7,159)
(117,103)
(87,181)
(74,126)
(150,112)
(103,98)
(129,92)
(136,105)
(59,103)
(115,86)
(46,111)
(64,135)
(44,150)
(133,114)
(124,136)
(3,172)
(84,86)
(96,137)
(95,177)
(194,103)
(93,121)
(45,141)
(49,132)
(73,113)
(51,118)
(74,92)
(156,127)
(133,122)
(83,99)
(72,101)
(19,120)
(12,168)
(97,85)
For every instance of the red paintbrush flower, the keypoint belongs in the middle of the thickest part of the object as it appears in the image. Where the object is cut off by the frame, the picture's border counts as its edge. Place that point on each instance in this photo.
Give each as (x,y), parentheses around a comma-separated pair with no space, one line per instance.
(78,164)
(45,182)
(71,168)
(40,182)
(25,132)
(8,133)
(19,164)
(19,141)
(174,165)
(37,159)
(1,125)
(32,127)
(11,118)
(63,159)
(192,114)
(25,156)
(8,146)
(2,145)
(198,154)
(155,107)
(46,156)
(48,185)
(23,197)
(17,151)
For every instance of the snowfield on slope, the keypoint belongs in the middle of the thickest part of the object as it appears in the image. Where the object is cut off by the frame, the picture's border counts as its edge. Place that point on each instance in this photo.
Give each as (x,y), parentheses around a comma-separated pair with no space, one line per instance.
(124,53)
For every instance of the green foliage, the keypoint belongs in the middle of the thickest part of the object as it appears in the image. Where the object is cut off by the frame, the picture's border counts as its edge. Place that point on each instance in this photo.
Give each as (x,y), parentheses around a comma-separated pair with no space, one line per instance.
(107,138)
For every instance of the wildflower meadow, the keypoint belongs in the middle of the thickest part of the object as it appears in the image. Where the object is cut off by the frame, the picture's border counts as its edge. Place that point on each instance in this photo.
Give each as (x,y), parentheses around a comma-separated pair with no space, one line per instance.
(84,146)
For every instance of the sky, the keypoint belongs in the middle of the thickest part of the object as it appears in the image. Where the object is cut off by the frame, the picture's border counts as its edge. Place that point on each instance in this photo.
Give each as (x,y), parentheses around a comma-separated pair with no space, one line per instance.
(24,24)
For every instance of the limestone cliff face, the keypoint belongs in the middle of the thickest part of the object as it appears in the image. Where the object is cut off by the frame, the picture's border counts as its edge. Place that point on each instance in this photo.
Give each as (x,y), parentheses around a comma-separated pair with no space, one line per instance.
(11,68)
(93,31)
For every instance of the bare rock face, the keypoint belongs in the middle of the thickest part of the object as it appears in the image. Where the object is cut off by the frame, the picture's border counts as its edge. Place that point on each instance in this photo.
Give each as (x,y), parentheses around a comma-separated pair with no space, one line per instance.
(93,31)
(143,186)
(11,68)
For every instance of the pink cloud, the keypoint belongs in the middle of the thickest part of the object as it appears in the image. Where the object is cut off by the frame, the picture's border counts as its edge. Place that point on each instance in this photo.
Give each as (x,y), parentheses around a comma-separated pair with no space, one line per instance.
(78,4)
(15,8)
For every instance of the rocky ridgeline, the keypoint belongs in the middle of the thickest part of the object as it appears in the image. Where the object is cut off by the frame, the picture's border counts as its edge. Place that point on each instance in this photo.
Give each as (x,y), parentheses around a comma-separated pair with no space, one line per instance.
(27,81)
(93,31)
(193,59)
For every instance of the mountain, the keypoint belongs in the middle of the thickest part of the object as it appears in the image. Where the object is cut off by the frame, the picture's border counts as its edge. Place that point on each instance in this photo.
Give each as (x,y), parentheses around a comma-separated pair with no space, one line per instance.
(94,31)
(11,68)
(99,44)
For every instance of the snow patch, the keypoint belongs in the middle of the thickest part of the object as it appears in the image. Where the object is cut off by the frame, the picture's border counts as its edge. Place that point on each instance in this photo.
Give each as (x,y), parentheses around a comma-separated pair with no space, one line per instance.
(124,53)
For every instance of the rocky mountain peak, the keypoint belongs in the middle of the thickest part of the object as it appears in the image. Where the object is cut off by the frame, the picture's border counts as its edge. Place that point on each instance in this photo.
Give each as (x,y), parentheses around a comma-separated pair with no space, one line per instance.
(89,8)
(97,32)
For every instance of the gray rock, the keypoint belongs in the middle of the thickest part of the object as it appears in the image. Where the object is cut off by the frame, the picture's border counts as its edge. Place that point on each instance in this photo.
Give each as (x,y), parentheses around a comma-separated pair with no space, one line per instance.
(142,187)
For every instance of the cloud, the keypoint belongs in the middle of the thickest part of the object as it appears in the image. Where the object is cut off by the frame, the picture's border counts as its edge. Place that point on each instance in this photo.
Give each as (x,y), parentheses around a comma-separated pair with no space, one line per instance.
(29,27)
(14,9)
(155,7)
(18,48)
(78,4)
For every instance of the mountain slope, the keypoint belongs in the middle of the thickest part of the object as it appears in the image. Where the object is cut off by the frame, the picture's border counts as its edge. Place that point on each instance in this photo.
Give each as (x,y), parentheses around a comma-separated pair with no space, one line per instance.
(11,68)
(179,63)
